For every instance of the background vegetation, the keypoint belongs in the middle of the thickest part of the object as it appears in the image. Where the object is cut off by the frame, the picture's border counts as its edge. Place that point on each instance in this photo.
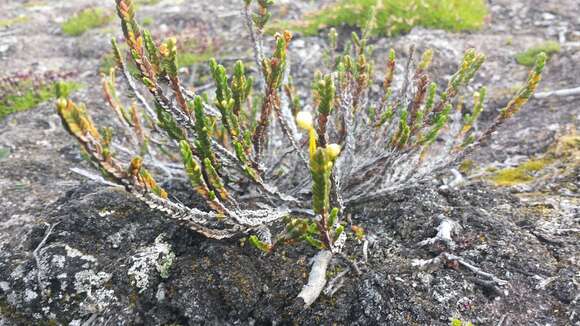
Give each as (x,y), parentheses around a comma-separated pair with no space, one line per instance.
(394,17)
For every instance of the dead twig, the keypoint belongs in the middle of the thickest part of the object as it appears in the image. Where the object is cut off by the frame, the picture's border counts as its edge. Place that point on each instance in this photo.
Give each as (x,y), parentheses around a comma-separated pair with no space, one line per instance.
(560,92)
(36,256)
(444,257)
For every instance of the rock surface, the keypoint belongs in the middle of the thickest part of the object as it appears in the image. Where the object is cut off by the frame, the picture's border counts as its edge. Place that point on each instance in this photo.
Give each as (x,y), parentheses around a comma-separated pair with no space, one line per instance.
(108,260)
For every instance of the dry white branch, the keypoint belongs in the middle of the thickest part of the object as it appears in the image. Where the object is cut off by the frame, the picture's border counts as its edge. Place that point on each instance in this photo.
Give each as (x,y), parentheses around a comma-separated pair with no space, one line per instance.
(336,283)
(445,230)
(543,282)
(317,278)
(257,46)
(94,177)
(366,251)
(424,264)
(560,92)
(36,256)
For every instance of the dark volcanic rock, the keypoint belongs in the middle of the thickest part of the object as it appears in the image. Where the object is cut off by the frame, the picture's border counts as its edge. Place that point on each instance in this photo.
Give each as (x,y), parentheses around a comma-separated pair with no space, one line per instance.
(110,260)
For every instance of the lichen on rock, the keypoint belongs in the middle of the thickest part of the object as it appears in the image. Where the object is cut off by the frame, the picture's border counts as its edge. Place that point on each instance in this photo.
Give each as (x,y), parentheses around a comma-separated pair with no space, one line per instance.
(92,284)
(150,260)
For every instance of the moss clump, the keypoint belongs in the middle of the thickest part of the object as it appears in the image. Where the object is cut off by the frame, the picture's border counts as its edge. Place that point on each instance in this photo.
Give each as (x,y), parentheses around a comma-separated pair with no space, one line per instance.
(5,23)
(520,174)
(85,20)
(147,2)
(4,153)
(459,322)
(564,154)
(528,57)
(147,21)
(466,166)
(28,97)
(189,59)
(567,148)
(393,17)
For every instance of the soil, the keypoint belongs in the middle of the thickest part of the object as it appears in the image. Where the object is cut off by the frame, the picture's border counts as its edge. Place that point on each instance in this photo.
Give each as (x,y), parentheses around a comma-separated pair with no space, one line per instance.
(101,263)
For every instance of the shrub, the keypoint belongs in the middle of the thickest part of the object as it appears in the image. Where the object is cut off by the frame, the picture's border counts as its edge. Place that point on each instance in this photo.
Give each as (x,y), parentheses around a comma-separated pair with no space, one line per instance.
(394,17)
(85,20)
(259,161)
(193,47)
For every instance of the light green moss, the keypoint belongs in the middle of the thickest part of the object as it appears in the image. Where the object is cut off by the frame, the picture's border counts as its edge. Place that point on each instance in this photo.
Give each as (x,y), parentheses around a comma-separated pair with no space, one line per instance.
(4,153)
(85,20)
(147,2)
(466,166)
(394,17)
(520,174)
(147,21)
(459,322)
(34,3)
(189,58)
(26,97)
(528,57)
(4,23)
(165,265)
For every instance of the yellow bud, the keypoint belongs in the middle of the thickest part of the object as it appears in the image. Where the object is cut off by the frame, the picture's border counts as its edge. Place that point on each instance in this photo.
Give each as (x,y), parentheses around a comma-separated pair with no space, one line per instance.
(163,50)
(61,103)
(304,120)
(332,150)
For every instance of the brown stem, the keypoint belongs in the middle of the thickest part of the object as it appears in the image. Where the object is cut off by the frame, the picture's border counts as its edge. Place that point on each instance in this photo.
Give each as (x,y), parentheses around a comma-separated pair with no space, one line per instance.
(271,100)
(321,129)
(323,227)
(176,87)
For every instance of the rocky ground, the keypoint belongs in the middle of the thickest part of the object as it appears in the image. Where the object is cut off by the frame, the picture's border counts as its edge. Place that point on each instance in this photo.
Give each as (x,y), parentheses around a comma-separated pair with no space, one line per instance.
(103,260)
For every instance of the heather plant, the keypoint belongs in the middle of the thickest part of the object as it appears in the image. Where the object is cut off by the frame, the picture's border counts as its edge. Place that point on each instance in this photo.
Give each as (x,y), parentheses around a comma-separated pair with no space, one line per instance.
(267,168)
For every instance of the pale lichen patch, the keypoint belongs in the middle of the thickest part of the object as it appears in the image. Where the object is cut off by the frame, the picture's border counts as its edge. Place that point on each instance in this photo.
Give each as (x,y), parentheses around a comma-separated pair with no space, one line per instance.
(72,252)
(4,286)
(155,258)
(58,261)
(98,298)
(30,295)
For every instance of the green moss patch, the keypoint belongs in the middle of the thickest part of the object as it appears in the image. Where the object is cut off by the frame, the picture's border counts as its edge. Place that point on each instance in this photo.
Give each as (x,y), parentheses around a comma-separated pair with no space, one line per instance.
(528,57)
(85,20)
(147,21)
(466,166)
(190,58)
(393,17)
(4,153)
(5,23)
(523,173)
(562,158)
(27,97)
(147,2)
